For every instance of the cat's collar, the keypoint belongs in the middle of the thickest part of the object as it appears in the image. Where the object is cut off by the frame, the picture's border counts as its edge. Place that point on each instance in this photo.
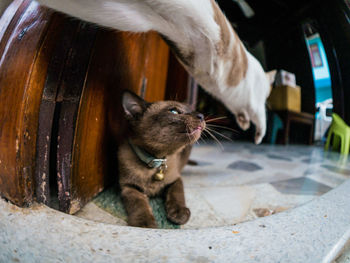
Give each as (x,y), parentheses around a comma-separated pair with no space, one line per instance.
(147,158)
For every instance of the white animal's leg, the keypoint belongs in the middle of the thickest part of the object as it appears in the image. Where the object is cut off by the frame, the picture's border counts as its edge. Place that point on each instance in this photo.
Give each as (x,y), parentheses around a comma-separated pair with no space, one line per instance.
(202,38)
(259,119)
(243,119)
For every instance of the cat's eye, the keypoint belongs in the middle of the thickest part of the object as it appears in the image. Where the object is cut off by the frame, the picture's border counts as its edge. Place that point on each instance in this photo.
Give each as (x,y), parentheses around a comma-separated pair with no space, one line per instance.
(174,111)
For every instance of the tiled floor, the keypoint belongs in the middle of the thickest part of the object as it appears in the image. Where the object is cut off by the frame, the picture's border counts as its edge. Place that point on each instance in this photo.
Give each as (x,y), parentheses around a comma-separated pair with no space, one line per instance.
(243,181)
(219,194)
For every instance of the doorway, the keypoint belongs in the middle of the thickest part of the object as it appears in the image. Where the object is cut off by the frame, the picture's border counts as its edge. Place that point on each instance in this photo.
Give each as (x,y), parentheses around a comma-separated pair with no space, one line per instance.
(322,80)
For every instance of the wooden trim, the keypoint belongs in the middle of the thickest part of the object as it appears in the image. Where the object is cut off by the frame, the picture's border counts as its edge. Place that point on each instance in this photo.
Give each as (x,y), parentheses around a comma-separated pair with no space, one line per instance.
(57,46)
(20,93)
(69,96)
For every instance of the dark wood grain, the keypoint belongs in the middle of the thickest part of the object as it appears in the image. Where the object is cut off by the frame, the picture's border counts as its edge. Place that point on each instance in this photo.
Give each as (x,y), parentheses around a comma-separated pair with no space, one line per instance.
(57,44)
(69,96)
(156,67)
(9,21)
(11,15)
(177,80)
(120,61)
(21,85)
(138,62)
(60,112)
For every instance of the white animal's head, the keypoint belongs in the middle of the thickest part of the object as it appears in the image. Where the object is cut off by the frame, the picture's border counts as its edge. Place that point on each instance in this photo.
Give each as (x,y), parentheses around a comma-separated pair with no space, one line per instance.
(238,78)
(256,88)
(247,98)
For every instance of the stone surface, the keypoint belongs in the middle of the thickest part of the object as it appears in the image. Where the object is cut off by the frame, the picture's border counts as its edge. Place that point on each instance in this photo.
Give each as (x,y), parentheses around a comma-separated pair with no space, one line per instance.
(336,169)
(229,205)
(302,186)
(303,227)
(244,166)
(218,195)
(314,232)
(92,212)
(279,157)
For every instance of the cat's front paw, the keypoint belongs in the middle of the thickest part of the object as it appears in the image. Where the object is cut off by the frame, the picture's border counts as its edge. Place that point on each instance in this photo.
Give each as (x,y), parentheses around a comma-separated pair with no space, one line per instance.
(146,221)
(178,214)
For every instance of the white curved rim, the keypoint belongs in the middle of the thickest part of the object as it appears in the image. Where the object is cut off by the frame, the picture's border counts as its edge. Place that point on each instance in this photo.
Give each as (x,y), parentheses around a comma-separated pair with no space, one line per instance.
(313,232)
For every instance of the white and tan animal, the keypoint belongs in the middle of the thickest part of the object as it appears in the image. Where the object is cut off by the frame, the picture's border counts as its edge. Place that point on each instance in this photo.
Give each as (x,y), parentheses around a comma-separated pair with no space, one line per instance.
(203,40)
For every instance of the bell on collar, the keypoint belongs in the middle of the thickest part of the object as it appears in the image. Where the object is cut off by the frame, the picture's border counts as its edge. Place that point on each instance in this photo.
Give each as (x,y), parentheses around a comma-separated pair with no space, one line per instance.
(159,176)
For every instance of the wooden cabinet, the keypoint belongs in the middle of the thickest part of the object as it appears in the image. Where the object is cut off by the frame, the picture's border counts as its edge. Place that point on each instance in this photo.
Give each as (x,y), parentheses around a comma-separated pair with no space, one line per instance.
(21,86)
(60,114)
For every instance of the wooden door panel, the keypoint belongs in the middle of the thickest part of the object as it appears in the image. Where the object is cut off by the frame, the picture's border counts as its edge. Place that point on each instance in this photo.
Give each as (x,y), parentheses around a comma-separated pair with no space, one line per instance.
(118,63)
(177,80)
(58,41)
(10,17)
(156,67)
(21,83)
(60,112)
(69,96)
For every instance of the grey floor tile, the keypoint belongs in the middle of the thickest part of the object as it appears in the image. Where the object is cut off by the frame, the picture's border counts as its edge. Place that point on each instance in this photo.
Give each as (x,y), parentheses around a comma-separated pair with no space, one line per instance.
(336,169)
(279,157)
(301,186)
(244,166)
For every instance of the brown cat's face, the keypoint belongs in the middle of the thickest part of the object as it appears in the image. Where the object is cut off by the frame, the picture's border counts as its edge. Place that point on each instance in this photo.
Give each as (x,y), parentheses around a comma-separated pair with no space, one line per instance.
(162,125)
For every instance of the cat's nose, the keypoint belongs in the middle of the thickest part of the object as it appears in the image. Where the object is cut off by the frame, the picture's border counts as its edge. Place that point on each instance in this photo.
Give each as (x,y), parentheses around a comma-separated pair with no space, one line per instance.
(200,116)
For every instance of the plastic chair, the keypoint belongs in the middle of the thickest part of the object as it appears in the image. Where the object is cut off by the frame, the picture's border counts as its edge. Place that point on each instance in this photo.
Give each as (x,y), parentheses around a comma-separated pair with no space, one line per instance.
(274,124)
(277,125)
(341,135)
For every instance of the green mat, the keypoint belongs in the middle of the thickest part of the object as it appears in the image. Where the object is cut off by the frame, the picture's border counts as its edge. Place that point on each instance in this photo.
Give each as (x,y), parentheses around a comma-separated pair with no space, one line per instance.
(110,201)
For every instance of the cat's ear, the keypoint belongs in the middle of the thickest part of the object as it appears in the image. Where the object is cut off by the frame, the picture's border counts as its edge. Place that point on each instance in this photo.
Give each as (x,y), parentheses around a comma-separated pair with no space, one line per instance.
(133,105)
(271,75)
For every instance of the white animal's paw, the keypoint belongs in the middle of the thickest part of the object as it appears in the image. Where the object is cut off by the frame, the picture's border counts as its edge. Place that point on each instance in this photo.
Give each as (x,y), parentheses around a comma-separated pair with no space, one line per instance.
(243,120)
(258,137)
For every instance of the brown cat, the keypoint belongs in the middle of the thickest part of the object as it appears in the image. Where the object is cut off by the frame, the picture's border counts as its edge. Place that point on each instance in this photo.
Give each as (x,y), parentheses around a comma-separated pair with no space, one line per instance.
(160,137)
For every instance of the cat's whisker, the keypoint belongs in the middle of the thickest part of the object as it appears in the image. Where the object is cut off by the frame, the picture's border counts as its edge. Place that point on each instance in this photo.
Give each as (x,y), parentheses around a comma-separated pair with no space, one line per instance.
(222,127)
(215,119)
(211,117)
(189,133)
(215,139)
(218,133)
(200,138)
(207,116)
(203,134)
